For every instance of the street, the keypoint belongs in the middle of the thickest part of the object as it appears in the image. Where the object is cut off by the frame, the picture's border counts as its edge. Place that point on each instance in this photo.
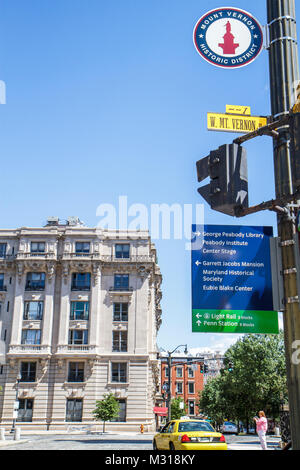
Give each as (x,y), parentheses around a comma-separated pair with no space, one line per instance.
(109,442)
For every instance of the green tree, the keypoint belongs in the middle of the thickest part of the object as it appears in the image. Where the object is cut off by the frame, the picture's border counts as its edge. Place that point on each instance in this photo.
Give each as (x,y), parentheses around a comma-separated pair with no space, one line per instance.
(176,408)
(106,409)
(253,379)
(212,402)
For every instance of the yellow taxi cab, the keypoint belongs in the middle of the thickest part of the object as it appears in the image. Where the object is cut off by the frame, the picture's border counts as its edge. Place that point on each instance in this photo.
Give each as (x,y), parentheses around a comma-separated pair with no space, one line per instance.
(189,434)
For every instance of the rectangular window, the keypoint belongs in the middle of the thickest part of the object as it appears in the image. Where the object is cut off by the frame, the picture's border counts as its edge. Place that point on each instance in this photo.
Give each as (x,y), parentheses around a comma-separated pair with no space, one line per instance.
(3,247)
(179,388)
(28,371)
(33,310)
(119,341)
(191,407)
(35,281)
(25,410)
(121,281)
(167,371)
(191,388)
(78,337)
(82,247)
(32,337)
(37,247)
(81,281)
(191,372)
(76,372)
(122,250)
(2,282)
(119,372)
(122,413)
(79,310)
(179,372)
(74,410)
(120,312)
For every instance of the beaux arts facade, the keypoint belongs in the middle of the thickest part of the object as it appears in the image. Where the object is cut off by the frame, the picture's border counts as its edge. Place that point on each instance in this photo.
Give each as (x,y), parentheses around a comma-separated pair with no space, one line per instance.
(79,315)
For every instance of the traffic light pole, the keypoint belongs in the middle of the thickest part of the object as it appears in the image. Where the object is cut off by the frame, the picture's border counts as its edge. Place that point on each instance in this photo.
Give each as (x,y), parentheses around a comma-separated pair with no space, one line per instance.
(284,77)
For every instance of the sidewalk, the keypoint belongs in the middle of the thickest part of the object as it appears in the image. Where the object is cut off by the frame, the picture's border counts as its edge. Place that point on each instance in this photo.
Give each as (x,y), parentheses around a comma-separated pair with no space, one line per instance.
(12,442)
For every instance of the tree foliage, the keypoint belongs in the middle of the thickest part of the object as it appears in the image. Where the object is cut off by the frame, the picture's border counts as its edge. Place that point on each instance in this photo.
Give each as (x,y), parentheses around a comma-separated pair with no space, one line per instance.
(176,409)
(256,381)
(106,409)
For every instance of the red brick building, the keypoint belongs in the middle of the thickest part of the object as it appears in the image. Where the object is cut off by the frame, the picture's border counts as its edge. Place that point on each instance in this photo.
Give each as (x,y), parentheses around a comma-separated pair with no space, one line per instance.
(187,379)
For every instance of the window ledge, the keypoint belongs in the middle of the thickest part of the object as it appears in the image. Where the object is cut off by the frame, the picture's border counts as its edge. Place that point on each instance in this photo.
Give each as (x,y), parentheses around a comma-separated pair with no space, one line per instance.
(118,384)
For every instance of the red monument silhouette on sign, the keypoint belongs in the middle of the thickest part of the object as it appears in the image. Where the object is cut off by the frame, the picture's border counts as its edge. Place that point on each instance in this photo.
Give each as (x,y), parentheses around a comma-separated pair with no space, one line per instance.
(229,45)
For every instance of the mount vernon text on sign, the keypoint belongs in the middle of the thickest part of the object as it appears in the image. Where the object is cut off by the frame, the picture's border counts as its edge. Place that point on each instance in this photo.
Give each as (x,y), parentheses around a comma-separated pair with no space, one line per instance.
(228,37)
(234,123)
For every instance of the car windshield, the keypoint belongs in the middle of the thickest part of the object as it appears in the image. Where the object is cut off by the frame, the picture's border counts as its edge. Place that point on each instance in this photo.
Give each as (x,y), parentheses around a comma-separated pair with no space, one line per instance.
(190,426)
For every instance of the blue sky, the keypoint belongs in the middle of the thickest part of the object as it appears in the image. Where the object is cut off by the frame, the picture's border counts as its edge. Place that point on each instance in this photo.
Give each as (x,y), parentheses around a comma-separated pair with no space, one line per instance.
(106,99)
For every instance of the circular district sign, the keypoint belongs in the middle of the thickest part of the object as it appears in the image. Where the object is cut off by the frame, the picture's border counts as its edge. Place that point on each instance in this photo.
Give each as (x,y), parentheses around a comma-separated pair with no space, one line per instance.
(228,37)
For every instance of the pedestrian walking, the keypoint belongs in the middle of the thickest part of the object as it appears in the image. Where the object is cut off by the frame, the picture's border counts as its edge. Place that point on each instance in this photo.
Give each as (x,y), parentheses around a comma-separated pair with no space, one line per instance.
(261,428)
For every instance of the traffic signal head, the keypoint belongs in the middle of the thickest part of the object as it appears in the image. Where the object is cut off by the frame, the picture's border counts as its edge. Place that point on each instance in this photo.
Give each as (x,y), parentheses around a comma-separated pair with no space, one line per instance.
(228,186)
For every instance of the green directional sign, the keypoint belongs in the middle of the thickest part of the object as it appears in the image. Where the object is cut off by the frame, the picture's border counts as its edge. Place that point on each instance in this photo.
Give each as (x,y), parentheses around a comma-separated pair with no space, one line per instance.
(234,321)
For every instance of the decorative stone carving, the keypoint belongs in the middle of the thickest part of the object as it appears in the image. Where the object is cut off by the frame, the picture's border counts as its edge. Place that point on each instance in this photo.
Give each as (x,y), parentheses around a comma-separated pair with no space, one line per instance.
(143,272)
(20,271)
(12,364)
(50,271)
(44,365)
(60,364)
(65,273)
(96,273)
(156,377)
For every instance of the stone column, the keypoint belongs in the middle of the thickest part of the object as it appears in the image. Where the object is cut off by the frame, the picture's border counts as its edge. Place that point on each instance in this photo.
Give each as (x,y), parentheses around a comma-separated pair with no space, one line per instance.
(94,314)
(18,307)
(48,306)
(64,307)
(141,314)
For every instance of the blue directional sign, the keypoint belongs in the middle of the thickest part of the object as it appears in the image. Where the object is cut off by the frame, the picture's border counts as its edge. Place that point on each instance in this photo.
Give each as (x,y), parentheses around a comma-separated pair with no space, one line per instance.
(231,280)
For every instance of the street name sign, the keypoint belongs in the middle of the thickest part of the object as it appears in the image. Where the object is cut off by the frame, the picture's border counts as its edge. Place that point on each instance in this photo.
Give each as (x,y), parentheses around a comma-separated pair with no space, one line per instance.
(228,37)
(231,280)
(232,109)
(234,123)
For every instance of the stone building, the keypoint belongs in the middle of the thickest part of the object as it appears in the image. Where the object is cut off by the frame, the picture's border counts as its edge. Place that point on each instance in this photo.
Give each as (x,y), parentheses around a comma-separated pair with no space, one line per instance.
(79,315)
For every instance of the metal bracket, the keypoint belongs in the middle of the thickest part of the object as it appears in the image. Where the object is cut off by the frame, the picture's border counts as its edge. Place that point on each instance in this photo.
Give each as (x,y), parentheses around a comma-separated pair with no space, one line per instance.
(286,17)
(290,271)
(277,277)
(284,38)
(280,206)
(287,243)
(292,300)
(269,129)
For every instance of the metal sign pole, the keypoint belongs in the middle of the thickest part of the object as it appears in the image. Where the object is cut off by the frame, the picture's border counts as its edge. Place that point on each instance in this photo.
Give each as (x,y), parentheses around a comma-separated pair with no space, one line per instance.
(284,77)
